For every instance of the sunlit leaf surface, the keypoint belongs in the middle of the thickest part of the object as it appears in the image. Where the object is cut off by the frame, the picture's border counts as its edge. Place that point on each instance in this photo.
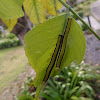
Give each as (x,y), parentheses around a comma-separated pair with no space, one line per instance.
(11,9)
(52,6)
(36,10)
(41,41)
(10,23)
(58,4)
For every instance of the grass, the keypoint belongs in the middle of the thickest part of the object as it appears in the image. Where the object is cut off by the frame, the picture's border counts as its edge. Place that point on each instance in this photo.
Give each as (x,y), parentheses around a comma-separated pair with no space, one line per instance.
(12,62)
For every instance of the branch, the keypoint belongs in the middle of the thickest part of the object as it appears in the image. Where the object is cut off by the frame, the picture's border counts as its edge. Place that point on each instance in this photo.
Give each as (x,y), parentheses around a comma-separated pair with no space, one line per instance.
(69,7)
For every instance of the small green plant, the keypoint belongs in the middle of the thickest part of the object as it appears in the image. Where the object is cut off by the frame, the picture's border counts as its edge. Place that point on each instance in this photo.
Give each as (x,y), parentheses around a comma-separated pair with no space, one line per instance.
(80,14)
(73,83)
(25,97)
(26,94)
(94,80)
(11,36)
(72,2)
(9,43)
(70,84)
(84,28)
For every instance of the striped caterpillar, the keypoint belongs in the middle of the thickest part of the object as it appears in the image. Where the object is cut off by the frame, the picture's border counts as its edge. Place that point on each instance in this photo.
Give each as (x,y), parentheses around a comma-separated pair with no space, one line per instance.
(58,51)
(63,46)
(53,59)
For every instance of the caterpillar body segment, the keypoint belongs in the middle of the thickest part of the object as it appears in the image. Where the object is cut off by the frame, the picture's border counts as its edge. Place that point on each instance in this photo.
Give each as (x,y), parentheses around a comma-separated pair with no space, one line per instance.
(53,59)
(63,46)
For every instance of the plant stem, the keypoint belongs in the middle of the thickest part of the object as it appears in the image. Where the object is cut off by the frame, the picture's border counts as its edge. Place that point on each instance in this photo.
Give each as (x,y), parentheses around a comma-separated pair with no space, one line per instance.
(38,91)
(67,6)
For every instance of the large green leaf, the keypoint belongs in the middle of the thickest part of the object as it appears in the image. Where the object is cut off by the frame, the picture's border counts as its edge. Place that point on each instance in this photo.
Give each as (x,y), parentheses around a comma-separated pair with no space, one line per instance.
(41,41)
(36,10)
(11,9)
(10,23)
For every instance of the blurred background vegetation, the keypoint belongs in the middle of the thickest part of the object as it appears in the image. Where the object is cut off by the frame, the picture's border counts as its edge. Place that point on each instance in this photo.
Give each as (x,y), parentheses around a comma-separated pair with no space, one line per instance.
(76,82)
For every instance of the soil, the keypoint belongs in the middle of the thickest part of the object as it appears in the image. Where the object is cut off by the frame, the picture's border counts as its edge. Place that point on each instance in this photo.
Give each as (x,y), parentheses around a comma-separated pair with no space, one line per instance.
(11,92)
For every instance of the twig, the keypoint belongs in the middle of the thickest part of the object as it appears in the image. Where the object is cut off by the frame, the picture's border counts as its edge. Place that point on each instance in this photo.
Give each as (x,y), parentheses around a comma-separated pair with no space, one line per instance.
(67,6)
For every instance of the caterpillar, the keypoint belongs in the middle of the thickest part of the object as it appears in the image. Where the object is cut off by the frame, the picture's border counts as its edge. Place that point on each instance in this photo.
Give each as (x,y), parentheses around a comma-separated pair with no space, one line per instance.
(63,46)
(53,59)
(60,48)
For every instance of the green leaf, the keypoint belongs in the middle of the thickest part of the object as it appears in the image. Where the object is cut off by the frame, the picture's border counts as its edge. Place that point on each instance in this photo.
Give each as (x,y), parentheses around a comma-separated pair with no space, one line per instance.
(58,4)
(36,10)
(73,91)
(80,98)
(76,45)
(41,41)
(11,9)
(52,6)
(10,23)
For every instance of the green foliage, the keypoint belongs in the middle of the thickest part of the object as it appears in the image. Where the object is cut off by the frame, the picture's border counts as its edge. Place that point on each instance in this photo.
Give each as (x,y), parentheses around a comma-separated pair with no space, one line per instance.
(25,95)
(79,13)
(41,41)
(10,43)
(72,2)
(88,2)
(73,83)
(38,9)
(84,28)
(11,36)
(83,7)
(78,8)
(70,84)
(11,9)
(94,80)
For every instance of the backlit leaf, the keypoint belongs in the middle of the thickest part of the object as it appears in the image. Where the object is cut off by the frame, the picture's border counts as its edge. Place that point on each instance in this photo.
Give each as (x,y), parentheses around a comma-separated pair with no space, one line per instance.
(10,23)
(58,4)
(36,10)
(52,6)
(41,41)
(11,9)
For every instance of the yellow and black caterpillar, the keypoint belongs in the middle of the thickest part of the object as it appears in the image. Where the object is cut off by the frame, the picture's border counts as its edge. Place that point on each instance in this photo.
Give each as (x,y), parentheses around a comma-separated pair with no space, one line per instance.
(63,46)
(53,59)
(59,51)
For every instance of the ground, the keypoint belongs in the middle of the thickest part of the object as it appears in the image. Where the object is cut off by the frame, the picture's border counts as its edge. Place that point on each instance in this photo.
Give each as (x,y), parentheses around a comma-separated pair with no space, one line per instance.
(92,55)
(13,69)
(12,62)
